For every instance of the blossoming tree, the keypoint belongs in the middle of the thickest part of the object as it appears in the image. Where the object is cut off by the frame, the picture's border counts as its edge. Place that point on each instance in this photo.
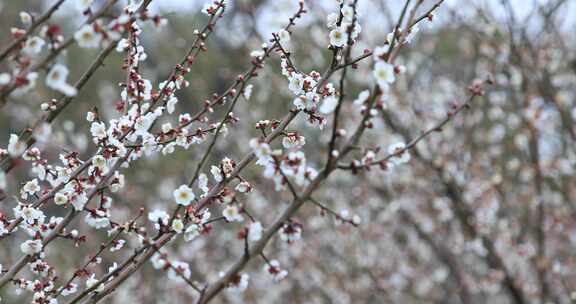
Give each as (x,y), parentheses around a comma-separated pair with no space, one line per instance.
(369,152)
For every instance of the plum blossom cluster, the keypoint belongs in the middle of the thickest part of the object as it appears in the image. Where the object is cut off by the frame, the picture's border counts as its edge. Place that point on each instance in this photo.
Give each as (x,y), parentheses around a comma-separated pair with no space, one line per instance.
(344,25)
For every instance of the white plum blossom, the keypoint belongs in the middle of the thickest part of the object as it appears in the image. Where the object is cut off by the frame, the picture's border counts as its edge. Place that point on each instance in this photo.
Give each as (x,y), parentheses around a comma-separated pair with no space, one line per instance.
(216,173)
(118,182)
(347,13)
(79,201)
(239,283)
(261,150)
(338,36)
(168,149)
(56,80)
(113,267)
(257,53)
(92,281)
(401,156)
(30,83)
(191,232)
(227,166)
(99,162)
(98,130)
(33,45)
(30,188)
(290,232)
(158,262)
(362,97)
(255,232)
(26,18)
(31,247)
(203,182)
(42,132)
(60,199)
(122,45)
(15,146)
(243,187)
(391,36)
(29,214)
(178,271)
(308,101)
(412,33)
(158,216)
(332,20)
(143,124)
(98,219)
(90,116)
(69,289)
(384,74)
(273,268)
(232,214)
(87,37)
(3,231)
(5,79)
(293,140)
(284,36)
(248,91)
(171,104)
(177,225)
(184,195)
(167,127)
(356,219)
(329,104)
(209,8)
(380,52)
(117,245)
(296,83)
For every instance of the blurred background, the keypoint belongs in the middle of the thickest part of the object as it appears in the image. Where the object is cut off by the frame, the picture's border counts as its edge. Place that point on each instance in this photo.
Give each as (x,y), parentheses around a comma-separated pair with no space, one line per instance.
(461,223)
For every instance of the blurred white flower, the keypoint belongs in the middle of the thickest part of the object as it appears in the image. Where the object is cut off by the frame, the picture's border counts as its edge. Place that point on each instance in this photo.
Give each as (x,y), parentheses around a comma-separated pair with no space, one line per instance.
(274,269)
(238,283)
(33,45)
(400,154)
(31,247)
(332,20)
(87,37)
(255,232)
(248,91)
(158,216)
(25,18)
(178,271)
(232,214)
(328,105)
(15,146)
(347,13)
(56,80)
(5,79)
(92,281)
